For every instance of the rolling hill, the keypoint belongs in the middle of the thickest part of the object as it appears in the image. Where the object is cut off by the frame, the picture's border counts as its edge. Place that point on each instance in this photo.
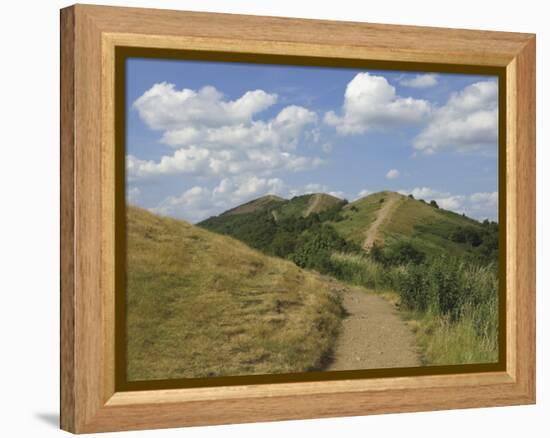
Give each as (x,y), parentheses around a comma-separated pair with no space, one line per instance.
(261,223)
(264,203)
(381,218)
(427,227)
(201,304)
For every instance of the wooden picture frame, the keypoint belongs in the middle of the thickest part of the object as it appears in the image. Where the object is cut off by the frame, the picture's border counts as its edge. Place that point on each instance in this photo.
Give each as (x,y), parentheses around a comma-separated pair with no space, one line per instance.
(91,401)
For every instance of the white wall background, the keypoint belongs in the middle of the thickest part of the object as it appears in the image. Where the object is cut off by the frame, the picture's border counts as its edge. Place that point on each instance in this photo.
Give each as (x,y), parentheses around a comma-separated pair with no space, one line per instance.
(29,200)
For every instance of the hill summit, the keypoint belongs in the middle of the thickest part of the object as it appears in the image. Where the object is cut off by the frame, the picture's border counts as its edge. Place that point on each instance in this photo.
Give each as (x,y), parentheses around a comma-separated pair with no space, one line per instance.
(377,219)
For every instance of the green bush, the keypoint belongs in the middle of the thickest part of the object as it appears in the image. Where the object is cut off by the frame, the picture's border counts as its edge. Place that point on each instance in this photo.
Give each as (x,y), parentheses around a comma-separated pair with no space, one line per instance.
(401,252)
(448,286)
(469,235)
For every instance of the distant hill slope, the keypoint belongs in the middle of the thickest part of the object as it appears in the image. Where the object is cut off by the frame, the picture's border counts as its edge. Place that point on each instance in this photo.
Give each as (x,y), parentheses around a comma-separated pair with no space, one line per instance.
(358,217)
(202,304)
(304,206)
(263,203)
(256,221)
(279,207)
(427,227)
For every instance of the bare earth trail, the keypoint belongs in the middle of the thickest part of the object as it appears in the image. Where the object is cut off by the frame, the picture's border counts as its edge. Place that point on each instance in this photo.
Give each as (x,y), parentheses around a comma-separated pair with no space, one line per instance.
(314,204)
(373,335)
(391,202)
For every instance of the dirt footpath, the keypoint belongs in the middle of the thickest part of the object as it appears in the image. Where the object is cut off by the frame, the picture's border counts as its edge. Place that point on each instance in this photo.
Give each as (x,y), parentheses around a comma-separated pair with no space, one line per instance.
(373,335)
(391,202)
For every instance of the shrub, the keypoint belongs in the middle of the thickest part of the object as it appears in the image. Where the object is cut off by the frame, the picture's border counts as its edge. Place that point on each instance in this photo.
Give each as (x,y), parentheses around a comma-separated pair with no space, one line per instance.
(363,271)
(413,288)
(398,253)
(466,235)
(402,253)
(434,204)
(448,286)
(283,244)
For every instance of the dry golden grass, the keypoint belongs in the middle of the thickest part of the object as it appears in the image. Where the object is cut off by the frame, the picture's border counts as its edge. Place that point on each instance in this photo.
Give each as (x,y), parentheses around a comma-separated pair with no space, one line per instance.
(200,304)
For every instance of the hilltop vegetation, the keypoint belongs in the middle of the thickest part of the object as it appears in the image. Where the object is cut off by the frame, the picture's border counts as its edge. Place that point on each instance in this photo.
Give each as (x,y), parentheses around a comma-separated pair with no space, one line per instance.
(441,266)
(201,304)
(299,230)
(416,230)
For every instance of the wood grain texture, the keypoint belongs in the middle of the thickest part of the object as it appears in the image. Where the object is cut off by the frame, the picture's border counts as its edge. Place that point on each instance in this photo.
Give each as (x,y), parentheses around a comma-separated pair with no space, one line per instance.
(525,192)
(67,255)
(330,38)
(89,36)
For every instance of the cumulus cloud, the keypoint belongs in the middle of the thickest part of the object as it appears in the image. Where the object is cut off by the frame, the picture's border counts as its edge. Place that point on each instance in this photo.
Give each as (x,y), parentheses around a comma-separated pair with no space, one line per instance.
(392,174)
(420,81)
(362,194)
(371,102)
(467,122)
(479,205)
(217,137)
(421,192)
(198,203)
(163,107)
(197,161)
(283,132)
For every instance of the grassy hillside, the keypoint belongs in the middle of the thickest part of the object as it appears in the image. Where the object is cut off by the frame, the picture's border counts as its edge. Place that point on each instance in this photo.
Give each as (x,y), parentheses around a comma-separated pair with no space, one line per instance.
(441,265)
(273,225)
(309,229)
(201,304)
(429,228)
(315,203)
(358,216)
(267,202)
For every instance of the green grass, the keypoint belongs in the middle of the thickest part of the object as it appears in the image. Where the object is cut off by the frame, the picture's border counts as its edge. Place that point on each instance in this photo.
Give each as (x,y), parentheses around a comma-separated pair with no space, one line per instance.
(360,270)
(358,216)
(201,304)
(445,343)
(428,228)
(264,203)
(452,306)
(449,294)
(300,205)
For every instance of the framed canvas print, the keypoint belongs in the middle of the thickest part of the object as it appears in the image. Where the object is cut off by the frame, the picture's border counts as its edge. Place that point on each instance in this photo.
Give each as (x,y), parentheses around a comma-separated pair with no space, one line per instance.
(268,218)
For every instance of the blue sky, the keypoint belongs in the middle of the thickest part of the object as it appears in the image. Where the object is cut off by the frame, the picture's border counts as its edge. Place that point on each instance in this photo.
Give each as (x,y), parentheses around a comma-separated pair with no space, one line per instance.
(203,137)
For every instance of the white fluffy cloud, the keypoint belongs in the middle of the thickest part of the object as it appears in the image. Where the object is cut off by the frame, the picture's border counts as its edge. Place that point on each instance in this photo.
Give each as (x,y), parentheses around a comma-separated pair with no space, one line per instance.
(392,174)
(371,102)
(163,107)
(421,192)
(198,203)
(283,132)
(480,205)
(215,137)
(362,194)
(420,81)
(197,161)
(467,122)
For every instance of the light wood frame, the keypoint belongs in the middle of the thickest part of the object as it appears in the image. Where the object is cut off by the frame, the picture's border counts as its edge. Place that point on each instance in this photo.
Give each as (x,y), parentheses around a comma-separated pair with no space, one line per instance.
(89,35)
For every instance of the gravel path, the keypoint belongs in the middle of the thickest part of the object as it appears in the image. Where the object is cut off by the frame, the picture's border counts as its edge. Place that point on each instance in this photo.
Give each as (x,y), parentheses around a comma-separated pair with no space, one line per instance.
(373,335)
